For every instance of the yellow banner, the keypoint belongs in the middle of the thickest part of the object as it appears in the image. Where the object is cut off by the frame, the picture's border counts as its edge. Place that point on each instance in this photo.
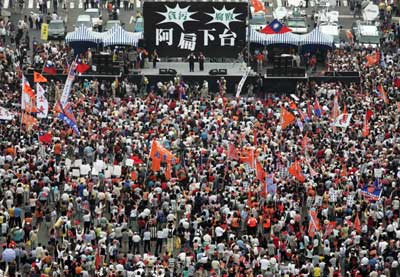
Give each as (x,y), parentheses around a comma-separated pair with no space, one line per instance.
(44,34)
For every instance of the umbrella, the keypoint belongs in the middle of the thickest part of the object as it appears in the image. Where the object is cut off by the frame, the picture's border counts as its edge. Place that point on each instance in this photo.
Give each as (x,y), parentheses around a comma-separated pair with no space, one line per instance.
(8,255)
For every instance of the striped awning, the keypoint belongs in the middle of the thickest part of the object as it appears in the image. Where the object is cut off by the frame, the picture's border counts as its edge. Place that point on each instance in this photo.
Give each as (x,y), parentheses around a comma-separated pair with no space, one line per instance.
(118,36)
(83,34)
(286,38)
(315,37)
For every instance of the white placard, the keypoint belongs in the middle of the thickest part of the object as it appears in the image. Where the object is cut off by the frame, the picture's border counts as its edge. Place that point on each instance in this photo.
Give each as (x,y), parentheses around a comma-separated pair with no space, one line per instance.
(78,163)
(378,172)
(68,163)
(129,162)
(332,196)
(318,200)
(85,169)
(107,173)
(76,173)
(350,200)
(95,172)
(117,170)
(99,165)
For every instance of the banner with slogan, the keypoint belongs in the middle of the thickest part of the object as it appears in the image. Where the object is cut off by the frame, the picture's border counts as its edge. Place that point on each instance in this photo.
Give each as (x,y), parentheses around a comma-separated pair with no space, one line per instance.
(175,29)
(371,193)
(242,81)
(44,33)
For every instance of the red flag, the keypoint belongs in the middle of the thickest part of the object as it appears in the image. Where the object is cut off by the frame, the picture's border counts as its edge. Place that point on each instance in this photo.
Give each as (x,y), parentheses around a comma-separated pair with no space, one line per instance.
(357,224)
(136,160)
(98,259)
(329,229)
(82,67)
(295,171)
(314,224)
(255,137)
(287,118)
(369,114)
(46,138)
(38,78)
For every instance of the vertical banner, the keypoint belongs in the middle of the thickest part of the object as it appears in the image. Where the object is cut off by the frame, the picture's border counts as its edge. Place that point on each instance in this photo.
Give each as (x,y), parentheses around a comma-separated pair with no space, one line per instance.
(44,33)
(175,29)
(242,81)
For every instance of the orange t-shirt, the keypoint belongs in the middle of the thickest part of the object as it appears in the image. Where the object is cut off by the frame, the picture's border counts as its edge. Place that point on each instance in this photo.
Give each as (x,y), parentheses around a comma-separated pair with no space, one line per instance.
(57,149)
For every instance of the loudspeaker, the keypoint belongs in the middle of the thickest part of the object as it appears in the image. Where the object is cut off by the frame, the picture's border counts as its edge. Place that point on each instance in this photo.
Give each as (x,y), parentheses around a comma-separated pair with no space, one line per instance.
(163,71)
(141,43)
(223,71)
(172,71)
(213,72)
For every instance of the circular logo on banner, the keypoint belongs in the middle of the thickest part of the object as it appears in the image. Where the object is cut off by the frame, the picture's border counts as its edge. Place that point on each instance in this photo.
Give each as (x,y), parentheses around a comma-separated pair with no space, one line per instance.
(276,25)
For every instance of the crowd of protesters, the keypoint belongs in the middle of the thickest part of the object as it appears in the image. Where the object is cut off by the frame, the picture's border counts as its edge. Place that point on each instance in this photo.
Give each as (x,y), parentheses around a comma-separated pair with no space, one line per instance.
(212,215)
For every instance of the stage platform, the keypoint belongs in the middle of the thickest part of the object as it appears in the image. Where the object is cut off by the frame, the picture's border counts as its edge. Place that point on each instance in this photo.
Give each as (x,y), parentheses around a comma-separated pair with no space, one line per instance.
(182,68)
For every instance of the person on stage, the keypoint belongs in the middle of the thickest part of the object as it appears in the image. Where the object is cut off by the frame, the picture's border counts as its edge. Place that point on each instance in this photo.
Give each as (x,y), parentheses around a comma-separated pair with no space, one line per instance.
(202,59)
(155,58)
(191,59)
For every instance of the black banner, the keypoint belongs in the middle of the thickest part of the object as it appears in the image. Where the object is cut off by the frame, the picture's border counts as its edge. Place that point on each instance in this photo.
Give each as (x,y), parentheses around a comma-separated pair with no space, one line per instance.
(176,29)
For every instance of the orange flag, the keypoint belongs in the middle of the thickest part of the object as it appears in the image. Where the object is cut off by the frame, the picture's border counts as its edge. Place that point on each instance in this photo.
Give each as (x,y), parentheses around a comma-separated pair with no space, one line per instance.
(160,152)
(248,157)
(258,6)
(287,118)
(29,120)
(38,78)
(28,90)
(30,108)
(357,224)
(260,173)
(383,94)
(365,129)
(295,171)
(168,171)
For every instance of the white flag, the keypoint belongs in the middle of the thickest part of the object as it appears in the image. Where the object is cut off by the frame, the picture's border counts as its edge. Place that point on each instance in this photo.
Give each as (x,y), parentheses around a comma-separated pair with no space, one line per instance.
(343,120)
(5,114)
(41,102)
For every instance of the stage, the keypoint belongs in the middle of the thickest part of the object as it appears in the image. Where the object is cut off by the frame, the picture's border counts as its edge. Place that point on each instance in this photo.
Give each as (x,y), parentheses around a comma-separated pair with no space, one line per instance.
(182,69)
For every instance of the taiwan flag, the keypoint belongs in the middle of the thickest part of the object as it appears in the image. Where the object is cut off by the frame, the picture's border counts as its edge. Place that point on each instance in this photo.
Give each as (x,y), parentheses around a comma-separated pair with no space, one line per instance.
(275,27)
(50,69)
(317,108)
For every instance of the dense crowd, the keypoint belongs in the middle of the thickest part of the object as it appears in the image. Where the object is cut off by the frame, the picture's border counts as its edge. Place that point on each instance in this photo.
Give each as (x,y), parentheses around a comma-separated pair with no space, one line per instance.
(95,205)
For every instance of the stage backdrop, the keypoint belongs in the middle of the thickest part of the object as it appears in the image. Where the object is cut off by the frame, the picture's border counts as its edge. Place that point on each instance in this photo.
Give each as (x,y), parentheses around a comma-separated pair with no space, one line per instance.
(177,28)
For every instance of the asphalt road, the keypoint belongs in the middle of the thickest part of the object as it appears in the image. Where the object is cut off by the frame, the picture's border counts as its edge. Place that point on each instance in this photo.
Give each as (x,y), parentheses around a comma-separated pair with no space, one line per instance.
(72,8)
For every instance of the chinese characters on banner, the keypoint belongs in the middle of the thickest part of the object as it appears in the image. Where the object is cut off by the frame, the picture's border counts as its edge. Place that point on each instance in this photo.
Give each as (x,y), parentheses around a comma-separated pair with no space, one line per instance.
(177,28)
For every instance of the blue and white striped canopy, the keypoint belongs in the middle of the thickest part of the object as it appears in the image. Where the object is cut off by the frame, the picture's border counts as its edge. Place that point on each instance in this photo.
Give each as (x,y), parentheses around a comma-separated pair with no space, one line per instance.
(286,38)
(315,37)
(119,36)
(83,34)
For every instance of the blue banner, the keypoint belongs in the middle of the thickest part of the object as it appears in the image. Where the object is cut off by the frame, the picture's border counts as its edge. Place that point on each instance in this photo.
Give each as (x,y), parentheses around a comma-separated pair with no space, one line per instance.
(371,193)
(70,122)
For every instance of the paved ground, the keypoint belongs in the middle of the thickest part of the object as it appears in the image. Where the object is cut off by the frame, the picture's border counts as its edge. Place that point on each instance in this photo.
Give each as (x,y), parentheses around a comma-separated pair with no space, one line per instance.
(72,8)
